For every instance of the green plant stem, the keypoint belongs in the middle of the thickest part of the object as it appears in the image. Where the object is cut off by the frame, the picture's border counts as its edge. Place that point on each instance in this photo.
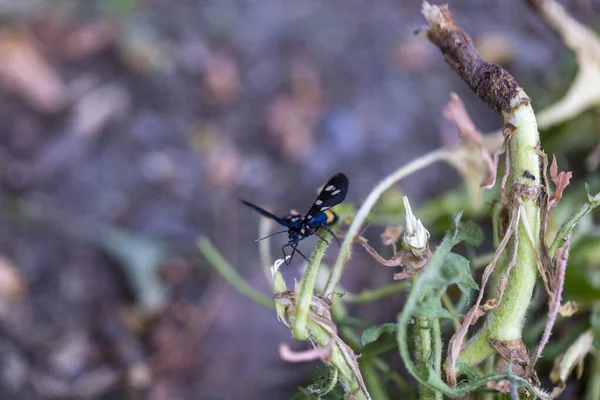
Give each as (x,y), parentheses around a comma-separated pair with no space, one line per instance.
(346,375)
(505,323)
(363,212)
(375,294)
(306,289)
(437,346)
(374,384)
(570,224)
(372,381)
(216,260)
(424,353)
(447,302)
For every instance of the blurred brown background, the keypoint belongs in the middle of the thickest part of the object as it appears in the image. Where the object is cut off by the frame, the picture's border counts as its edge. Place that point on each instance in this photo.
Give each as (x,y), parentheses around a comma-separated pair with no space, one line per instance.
(128,128)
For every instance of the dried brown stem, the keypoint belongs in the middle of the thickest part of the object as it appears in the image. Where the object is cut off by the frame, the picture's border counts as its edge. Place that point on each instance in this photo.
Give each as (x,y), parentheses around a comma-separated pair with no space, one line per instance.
(492,83)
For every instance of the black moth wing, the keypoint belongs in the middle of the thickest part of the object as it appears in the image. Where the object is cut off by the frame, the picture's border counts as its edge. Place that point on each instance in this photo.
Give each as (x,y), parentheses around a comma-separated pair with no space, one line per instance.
(293,218)
(333,193)
(267,214)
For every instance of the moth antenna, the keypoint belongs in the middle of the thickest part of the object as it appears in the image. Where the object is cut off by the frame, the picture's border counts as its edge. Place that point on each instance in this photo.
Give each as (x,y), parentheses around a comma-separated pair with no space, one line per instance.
(272,234)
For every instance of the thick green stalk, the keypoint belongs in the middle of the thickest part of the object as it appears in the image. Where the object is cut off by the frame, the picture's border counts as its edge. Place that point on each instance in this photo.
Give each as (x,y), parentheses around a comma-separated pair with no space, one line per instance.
(424,352)
(305,290)
(505,323)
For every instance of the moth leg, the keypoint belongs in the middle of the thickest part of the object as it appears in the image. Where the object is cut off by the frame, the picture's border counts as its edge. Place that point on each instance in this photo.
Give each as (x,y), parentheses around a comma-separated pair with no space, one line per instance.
(285,259)
(332,234)
(319,236)
(299,252)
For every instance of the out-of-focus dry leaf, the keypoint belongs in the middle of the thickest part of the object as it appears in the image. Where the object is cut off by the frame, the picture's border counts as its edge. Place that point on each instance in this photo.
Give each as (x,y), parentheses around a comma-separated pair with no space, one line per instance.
(24,71)
(561,181)
(305,85)
(412,54)
(500,386)
(390,235)
(139,376)
(221,79)
(585,43)
(98,107)
(473,160)
(91,38)
(495,48)
(573,357)
(12,284)
(223,166)
(569,309)
(291,117)
(288,123)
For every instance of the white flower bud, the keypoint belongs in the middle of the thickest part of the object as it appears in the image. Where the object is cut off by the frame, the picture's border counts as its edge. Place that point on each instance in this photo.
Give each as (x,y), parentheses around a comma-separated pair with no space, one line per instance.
(415,236)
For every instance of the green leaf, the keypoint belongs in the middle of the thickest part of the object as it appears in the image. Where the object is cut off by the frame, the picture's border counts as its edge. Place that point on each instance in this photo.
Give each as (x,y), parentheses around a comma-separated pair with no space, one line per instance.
(469,372)
(471,233)
(430,306)
(373,333)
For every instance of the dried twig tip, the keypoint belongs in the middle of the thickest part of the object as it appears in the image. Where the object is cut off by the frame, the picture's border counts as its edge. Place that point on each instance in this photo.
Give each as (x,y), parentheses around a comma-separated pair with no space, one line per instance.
(435,15)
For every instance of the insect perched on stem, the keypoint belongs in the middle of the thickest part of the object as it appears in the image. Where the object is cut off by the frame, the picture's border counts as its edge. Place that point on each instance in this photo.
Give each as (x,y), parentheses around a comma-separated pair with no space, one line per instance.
(300,227)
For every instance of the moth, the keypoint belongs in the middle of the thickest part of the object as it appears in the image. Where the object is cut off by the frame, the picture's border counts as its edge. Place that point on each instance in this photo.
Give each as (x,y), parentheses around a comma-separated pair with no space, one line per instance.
(299,227)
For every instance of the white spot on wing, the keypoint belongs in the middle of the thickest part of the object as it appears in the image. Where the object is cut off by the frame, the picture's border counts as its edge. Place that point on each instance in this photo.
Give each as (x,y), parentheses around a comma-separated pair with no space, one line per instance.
(309,217)
(336,192)
(319,202)
(325,208)
(329,188)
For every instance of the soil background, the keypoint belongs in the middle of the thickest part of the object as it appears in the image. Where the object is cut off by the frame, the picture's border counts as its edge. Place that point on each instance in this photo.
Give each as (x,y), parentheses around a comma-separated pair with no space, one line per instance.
(130,128)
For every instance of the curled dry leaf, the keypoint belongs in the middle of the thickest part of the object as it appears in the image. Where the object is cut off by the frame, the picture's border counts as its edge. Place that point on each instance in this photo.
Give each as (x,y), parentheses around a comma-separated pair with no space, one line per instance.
(316,353)
(569,309)
(403,257)
(513,351)
(561,181)
(24,71)
(456,113)
(490,304)
(487,306)
(562,255)
(332,351)
(573,357)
